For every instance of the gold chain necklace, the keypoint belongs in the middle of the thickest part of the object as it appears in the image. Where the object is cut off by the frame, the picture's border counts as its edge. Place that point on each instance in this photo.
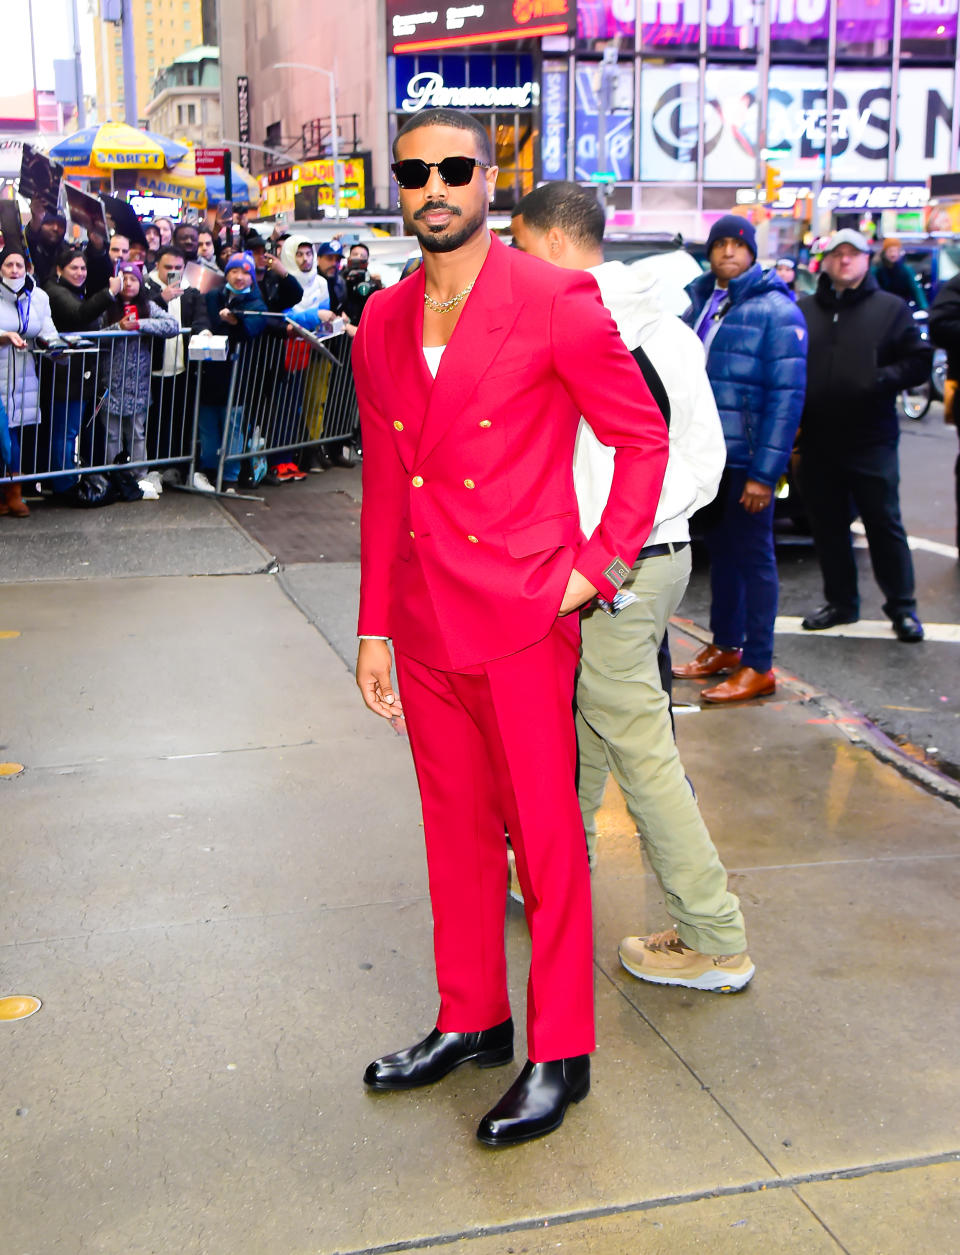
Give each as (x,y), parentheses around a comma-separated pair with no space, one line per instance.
(444,307)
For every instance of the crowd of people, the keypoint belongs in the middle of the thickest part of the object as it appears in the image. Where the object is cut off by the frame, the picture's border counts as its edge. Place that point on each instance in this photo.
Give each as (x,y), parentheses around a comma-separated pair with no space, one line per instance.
(129,401)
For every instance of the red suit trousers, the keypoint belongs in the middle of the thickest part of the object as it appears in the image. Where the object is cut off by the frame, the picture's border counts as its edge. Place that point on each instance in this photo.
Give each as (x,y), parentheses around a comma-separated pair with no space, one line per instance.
(495,747)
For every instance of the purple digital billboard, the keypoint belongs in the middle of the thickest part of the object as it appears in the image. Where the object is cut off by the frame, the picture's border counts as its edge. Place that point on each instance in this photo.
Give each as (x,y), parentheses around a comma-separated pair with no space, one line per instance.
(732,23)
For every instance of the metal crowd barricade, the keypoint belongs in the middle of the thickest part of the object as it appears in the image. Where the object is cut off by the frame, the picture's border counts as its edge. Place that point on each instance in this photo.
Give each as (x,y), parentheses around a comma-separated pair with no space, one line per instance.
(92,401)
(288,390)
(97,399)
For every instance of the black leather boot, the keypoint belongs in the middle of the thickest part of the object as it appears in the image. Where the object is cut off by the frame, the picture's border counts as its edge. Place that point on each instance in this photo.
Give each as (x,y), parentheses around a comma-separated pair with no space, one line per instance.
(438,1054)
(537,1101)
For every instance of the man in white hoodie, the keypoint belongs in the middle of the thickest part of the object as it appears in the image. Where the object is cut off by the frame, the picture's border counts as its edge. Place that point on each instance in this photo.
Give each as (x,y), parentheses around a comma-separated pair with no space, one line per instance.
(623,711)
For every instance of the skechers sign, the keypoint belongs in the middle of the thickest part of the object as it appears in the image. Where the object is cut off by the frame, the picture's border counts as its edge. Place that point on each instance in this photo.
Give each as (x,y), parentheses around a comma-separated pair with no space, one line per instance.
(415,27)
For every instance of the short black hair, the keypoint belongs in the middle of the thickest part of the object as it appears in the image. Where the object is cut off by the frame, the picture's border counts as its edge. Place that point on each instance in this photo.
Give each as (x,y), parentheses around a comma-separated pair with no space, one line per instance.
(170,250)
(359,244)
(456,118)
(567,205)
(180,226)
(204,231)
(67,255)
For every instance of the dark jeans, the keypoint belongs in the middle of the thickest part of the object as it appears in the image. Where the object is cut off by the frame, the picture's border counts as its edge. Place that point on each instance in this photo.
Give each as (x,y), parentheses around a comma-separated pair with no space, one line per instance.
(871,477)
(66,418)
(743,576)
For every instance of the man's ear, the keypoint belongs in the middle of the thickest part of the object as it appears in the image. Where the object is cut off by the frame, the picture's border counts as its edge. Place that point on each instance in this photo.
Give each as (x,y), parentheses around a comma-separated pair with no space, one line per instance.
(556,241)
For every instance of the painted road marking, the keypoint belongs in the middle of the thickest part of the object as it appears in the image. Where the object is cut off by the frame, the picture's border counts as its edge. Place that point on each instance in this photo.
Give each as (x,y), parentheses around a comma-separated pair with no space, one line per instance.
(915,542)
(868,629)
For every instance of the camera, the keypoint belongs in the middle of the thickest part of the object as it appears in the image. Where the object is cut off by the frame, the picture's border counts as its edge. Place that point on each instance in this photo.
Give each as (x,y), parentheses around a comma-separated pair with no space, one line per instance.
(357,277)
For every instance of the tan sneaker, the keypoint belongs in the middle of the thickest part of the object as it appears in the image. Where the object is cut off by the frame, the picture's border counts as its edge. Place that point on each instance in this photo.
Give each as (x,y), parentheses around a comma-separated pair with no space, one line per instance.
(664,959)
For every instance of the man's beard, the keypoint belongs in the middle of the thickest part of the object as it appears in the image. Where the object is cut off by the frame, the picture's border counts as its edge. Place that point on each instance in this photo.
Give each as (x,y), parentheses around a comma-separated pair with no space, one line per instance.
(433,242)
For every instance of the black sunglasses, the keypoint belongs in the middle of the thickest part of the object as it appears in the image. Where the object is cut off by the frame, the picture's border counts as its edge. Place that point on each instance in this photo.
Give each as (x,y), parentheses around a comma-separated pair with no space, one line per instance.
(455,171)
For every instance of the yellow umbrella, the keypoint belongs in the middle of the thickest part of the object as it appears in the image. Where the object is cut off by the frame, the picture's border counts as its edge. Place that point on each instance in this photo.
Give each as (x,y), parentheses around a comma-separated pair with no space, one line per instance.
(115,146)
(198,190)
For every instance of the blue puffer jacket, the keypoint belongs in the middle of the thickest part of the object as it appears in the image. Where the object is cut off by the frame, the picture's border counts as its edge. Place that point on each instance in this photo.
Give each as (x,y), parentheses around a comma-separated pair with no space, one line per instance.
(757,365)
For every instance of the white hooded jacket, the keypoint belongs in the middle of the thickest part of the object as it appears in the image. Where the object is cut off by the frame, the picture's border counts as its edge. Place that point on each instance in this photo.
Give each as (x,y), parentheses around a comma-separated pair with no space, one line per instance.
(697,449)
(316,293)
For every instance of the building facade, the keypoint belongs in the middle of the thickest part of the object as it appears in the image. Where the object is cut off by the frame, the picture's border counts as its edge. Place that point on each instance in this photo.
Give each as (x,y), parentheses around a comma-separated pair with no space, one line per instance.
(287,110)
(186,99)
(162,30)
(677,105)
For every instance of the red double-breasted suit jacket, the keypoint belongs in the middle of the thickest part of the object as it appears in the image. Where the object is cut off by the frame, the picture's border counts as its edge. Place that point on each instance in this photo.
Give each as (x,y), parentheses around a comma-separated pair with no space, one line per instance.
(469,526)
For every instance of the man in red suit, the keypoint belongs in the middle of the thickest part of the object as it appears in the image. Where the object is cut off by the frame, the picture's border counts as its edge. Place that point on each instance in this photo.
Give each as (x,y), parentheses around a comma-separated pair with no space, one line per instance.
(473,564)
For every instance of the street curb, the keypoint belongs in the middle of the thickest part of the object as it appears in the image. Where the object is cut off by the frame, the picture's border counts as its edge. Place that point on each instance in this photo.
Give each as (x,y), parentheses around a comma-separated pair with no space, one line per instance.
(854,725)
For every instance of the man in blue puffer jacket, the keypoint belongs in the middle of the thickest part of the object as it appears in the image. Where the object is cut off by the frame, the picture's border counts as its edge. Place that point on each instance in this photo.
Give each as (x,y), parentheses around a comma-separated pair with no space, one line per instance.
(756,343)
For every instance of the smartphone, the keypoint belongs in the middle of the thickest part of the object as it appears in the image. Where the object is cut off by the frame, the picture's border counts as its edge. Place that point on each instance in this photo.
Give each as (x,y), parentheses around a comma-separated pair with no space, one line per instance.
(130,311)
(225,211)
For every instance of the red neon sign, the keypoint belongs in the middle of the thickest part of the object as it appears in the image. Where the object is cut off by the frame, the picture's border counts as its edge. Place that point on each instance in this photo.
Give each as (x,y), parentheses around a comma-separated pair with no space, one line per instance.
(455,41)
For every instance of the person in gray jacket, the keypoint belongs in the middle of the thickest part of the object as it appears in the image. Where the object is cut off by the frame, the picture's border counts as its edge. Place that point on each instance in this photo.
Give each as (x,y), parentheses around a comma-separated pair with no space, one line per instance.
(128,370)
(24,320)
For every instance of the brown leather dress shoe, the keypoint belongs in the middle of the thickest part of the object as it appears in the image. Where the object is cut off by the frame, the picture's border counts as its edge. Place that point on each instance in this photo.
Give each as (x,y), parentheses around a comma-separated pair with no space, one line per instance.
(711,660)
(744,684)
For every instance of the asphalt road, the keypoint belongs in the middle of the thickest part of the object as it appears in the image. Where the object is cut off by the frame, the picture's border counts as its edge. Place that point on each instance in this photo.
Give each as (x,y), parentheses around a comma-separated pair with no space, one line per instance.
(912,692)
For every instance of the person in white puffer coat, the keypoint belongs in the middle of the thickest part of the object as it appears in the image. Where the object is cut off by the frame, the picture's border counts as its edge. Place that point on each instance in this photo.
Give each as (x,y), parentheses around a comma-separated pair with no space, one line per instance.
(24,318)
(623,709)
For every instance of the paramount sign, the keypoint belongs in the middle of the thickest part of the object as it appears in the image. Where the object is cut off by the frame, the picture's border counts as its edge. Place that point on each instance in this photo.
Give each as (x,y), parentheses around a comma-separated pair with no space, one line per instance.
(428,91)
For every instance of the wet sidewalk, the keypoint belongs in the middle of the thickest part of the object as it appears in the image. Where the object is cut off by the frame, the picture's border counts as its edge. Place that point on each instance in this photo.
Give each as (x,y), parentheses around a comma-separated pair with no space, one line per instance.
(213,878)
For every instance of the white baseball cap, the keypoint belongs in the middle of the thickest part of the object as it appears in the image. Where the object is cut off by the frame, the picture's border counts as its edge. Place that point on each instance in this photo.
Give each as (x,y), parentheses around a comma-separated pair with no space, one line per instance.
(847,236)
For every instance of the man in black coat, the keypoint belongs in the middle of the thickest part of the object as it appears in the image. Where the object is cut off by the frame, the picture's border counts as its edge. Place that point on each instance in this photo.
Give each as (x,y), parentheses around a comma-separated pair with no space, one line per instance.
(945,331)
(864,348)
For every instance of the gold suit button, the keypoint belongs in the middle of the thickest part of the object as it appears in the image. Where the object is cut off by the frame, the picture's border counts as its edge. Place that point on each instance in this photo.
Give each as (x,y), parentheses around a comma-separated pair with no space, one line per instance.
(485,422)
(468,483)
(473,540)
(398,424)
(417,481)
(413,535)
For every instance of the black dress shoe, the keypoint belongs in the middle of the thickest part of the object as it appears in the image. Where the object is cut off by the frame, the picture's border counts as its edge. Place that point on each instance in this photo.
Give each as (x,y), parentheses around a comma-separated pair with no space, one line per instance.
(908,628)
(438,1054)
(827,617)
(537,1101)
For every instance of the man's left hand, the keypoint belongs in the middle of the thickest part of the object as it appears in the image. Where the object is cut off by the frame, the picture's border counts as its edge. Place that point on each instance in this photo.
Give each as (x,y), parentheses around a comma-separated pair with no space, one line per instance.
(578,593)
(755,496)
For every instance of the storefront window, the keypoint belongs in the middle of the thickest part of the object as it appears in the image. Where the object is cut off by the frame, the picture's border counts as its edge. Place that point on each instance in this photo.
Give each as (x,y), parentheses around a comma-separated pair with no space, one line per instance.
(864,27)
(604,120)
(497,88)
(669,120)
(797,114)
(670,23)
(732,24)
(861,127)
(799,25)
(515,145)
(730,125)
(602,20)
(928,28)
(923,123)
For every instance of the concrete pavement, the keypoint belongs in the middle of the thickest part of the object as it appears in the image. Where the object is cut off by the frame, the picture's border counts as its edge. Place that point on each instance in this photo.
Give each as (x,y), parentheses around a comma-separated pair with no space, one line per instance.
(213,877)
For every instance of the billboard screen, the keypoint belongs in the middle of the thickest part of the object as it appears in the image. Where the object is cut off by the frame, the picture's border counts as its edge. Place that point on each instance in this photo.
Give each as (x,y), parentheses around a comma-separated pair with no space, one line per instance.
(413,26)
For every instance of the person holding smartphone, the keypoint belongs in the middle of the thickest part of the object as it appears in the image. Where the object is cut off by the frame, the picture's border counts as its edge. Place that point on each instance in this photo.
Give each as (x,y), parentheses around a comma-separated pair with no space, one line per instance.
(128,369)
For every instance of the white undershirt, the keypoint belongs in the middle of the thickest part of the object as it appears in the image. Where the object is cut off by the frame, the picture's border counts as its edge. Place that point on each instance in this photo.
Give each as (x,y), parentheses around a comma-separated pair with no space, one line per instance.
(433,354)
